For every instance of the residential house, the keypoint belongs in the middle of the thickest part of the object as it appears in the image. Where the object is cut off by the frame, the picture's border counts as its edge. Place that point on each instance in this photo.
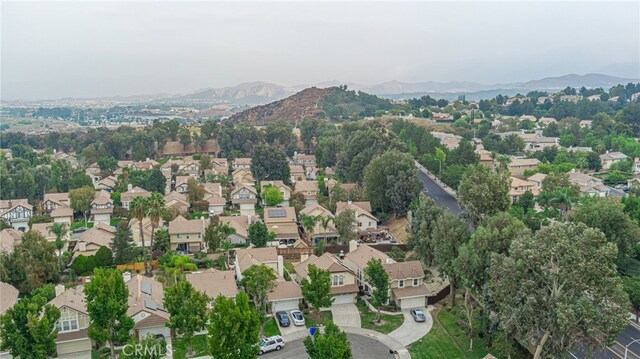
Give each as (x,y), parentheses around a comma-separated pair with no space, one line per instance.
(358,258)
(610,158)
(247,257)
(597,97)
(89,241)
(320,231)
(213,283)
(146,307)
(546,121)
(175,148)
(189,167)
(242,162)
(406,284)
(44,229)
(145,165)
(107,184)
(448,140)
(62,215)
(17,213)
(134,225)
(588,184)
(309,190)
(534,142)
(9,238)
(167,173)
(245,197)
(537,179)
(517,166)
(182,184)
(242,176)
(297,173)
(518,187)
(213,195)
(52,201)
(8,298)
(284,189)
(187,236)
(285,296)
(586,123)
(485,157)
(73,340)
(364,219)
(301,159)
(311,173)
(133,192)
(219,167)
(570,98)
(241,226)
(176,201)
(441,117)
(283,222)
(527,118)
(343,281)
(102,208)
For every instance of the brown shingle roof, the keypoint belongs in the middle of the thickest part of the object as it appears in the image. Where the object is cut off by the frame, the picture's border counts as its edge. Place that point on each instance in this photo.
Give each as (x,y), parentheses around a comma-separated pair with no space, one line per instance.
(145,294)
(363,254)
(255,256)
(408,292)
(284,290)
(404,270)
(72,298)
(343,289)
(62,212)
(214,282)
(9,238)
(8,297)
(182,225)
(327,262)
(239,223)
(304,186)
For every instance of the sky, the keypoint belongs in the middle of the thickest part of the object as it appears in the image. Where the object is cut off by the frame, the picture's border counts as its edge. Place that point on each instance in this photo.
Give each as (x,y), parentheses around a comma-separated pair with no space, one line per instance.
(90,49)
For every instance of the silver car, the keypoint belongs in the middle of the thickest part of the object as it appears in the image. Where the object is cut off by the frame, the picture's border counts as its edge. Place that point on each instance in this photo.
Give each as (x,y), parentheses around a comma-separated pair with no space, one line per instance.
(270,344)
(298,318)
(418,315)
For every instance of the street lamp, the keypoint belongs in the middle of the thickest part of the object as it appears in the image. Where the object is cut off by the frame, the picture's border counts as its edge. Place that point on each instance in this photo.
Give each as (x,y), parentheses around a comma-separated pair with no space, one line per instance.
(626,347)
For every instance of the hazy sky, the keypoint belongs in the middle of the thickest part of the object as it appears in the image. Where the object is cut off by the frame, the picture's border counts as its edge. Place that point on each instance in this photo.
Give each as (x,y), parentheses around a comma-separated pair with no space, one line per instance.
(60,49)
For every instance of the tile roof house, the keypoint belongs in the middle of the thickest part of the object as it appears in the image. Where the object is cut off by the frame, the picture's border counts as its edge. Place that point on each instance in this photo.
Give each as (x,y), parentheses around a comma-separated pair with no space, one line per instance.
(44,230)
(283,222)
(517,166)
(108,184)
(73,339)
(175,148)
(407,284)
(537,179)
(8,297)
(176,200)
(518,187)
(134,225)
(52,201)
(285,296)
(301,159)
(213,195)
(284,189)
(242,176)
(187,236)
(89,241)
(132,192)
(245,197)
(343,280)
(102,208)
(309,189)
(610,158)
(62,215)
(319,231)
(219,166)
(213,283)
(245,258)
(364,218)
(241,226)
(17,213)
(241,162)
(182,184)
(146,306)
(547,120)
(297,173)
(358,258)
(9,238)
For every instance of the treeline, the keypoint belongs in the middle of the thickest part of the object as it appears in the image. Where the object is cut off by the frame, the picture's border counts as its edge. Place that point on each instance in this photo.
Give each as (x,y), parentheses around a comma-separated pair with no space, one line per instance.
(343,104)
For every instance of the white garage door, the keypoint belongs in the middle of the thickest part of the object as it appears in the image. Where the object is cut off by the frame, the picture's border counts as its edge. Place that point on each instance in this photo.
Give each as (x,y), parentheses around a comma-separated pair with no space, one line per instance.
(343,298)
(407,303)
(285,305)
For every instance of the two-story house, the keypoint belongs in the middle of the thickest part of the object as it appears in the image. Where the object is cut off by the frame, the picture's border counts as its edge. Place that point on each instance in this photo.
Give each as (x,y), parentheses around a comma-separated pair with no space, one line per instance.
(242,176)
(324,229)
(134,225)
(240,224)
(214,197)
(89,241)
(182,184)
(284,189)
(537,179)
(52,201)
(242,162)
(406,283)
(362,210)
(73,339)
(213,283)
(517,166)
(297,173)
(17,213)
(343,281)
(146,307)
(102,208)
(133,192)
(283,222)
(245,197)
(247,257)
(301,159)
(309,190)
(518,187)
(187,236)
(358,258)
(610,158)
(176,201)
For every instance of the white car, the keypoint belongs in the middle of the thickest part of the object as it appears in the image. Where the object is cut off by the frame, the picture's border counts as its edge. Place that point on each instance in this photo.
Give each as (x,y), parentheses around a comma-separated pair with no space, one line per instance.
(270,344)
(298,318)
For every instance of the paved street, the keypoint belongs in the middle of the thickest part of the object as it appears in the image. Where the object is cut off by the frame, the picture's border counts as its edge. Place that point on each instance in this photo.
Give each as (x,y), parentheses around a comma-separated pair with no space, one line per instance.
(616,351)
(433,190)
(361,347)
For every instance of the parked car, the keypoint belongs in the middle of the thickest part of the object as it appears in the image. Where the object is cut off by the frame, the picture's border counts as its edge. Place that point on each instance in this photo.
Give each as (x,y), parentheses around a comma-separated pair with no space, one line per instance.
(270,344)
(298,318)
(418,315)
(283,319)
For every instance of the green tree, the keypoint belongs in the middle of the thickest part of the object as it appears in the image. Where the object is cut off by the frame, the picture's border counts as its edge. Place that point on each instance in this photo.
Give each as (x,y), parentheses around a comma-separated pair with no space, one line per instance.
(31,264)
(560,287)
(632,287)
(216,232)
(81,199)
(187,309)
(107,163)
(138,209)
(345,225)
(449,233)
(378,278)
(233,328)
(332,344)
(271,196)
(269,163)
(60,230)
(184,136)
(28,329)
(195,191)
(441,156)
(156,182)
(79,180)
(392,182)
(122,245)
(316,289)
(161,240)
(155,211)
(483,192)
(259,235)
(177,265)
(106,299)
(258,281)
(104,257)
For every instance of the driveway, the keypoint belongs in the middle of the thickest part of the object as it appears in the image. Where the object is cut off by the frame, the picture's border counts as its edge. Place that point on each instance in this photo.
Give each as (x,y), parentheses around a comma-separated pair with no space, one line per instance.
(346,315)
(411,331)
(292,332)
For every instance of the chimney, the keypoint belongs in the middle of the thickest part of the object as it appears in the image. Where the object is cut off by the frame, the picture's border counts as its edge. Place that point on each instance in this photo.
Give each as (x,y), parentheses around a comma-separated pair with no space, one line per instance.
(280,266)
(129,187)
(349,202)
(126,276)
(353,245)
(59,289)
(341,255)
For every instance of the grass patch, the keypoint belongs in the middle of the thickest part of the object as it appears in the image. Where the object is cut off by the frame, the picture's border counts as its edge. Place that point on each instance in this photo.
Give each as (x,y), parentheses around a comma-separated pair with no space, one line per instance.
(271,328)
(79,223)
(314,320)
(199,344)
(448,339)
(115,221)
(367,317)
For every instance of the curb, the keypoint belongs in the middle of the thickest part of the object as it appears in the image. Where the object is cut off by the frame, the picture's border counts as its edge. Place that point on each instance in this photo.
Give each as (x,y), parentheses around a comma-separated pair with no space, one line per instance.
(393,344)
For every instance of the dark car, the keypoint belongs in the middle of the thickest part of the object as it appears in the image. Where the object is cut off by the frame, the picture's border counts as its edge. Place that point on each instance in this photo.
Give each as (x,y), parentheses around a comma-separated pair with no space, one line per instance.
(418,315)
(283,319)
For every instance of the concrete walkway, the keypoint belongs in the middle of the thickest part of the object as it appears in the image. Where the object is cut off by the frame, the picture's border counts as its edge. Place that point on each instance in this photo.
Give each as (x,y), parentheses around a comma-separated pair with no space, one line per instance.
(346,315)
(411,331)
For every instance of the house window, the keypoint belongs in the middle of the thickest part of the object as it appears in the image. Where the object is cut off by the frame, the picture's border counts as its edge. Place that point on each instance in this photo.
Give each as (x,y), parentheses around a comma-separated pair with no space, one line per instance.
(179,235)
(401,283)
(68,321)
(415,282)
(335,280)
(341,280)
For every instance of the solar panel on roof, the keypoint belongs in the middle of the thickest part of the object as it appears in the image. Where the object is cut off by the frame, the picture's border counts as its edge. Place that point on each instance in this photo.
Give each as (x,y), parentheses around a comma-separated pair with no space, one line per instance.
(145,287)
(277,213)
(150,304)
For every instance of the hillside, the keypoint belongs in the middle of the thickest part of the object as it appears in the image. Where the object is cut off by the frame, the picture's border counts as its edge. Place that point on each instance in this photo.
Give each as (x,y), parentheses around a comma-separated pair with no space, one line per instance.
(304,104)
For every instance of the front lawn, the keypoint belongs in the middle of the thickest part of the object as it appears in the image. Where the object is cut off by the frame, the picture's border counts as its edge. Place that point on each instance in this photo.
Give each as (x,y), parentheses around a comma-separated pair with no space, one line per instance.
(388,322)
(314,320)
(199,344)
(271,328)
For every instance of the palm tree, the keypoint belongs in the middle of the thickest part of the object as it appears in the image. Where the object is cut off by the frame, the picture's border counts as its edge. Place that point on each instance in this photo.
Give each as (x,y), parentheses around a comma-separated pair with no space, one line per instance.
(60,230)
(226,246)
(563,200)
(324,221)
(138,210)
(155,211)
(308,222)
(178,265)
